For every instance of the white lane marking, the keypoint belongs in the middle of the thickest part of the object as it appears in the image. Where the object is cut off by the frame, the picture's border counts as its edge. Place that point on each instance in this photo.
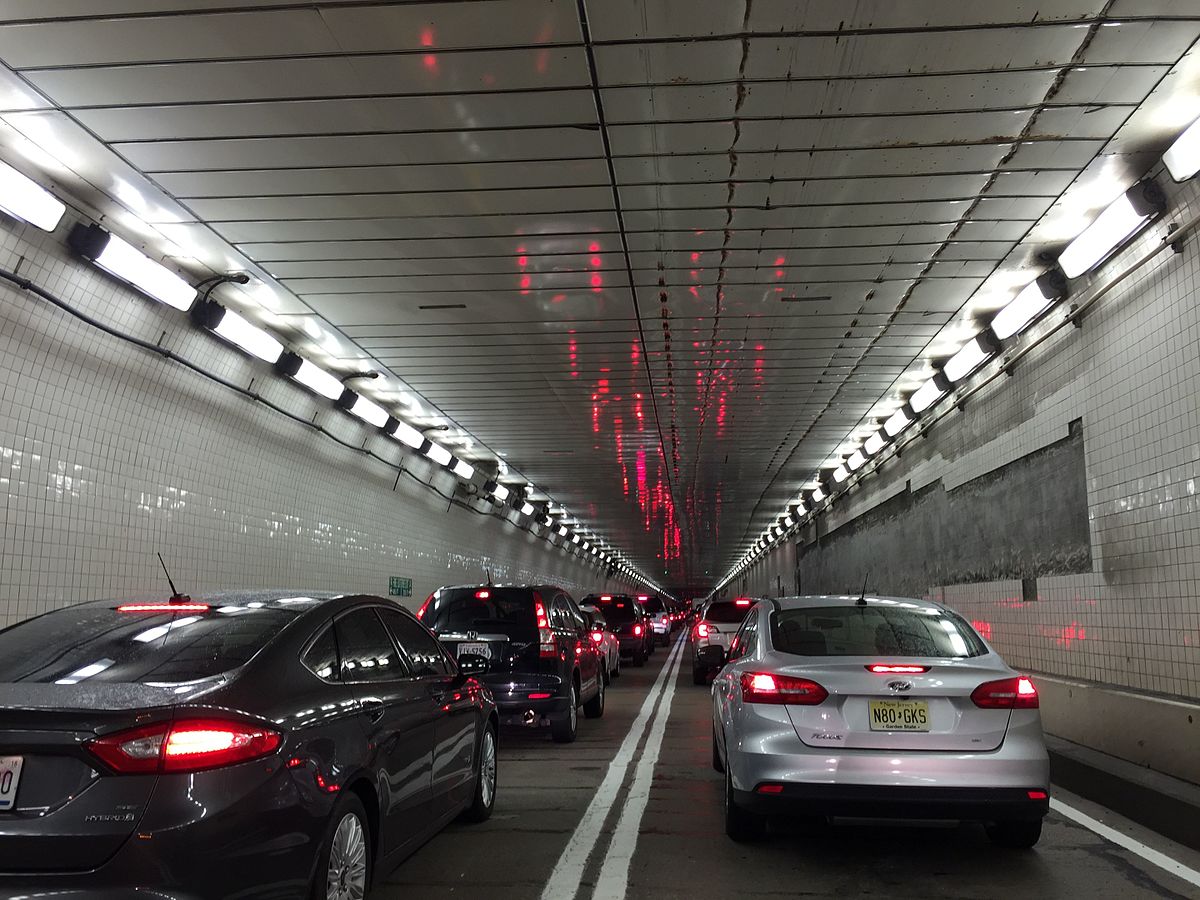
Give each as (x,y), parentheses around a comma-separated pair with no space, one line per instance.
(614,874)
(1164,862)
(568,871)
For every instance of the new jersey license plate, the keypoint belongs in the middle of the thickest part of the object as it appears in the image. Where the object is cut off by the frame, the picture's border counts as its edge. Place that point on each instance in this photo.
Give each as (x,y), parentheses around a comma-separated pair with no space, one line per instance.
(480,649)
(10,774)
(899,715)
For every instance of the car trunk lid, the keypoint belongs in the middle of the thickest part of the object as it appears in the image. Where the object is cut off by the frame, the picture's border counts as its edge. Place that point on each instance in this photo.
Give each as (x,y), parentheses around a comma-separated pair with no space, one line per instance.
(897,710)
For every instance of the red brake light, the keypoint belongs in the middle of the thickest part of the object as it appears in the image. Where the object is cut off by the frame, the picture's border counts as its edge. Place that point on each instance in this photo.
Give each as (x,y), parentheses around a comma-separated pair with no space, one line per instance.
(547,645)
(643,597)
(184,746)
(888,669)
(482,595)
(637,629)
(424,607)
(606,599)
(702,630)
(163,607)
(540,696)
(742,602)
(598,637)
(1007,693)
(1038,795)
(769,789)
(760,687)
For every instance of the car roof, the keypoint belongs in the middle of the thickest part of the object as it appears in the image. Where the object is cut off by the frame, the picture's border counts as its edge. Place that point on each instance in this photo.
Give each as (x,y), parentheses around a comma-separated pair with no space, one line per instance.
(482,587)
(809,601)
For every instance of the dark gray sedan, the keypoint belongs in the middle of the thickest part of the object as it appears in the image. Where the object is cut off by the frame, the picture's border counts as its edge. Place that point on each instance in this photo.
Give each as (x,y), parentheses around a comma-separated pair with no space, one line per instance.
(240,745)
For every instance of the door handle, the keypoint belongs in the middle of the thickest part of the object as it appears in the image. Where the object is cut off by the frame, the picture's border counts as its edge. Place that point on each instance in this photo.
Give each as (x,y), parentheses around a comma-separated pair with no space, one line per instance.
(374,710)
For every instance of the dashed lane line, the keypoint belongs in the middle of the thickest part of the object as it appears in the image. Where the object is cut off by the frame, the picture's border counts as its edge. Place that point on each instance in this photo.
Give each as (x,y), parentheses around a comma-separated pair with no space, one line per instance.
(568,871)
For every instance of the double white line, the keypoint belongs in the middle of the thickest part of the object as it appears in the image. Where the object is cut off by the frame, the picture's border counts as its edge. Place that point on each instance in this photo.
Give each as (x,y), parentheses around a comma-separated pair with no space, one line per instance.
(614,875)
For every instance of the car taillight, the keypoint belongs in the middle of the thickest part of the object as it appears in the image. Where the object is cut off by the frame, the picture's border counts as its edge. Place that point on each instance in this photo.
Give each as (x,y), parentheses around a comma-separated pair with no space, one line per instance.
(760,687)
(1007,693)
(424,607)
(890,669)
(598,637)
(742,602)
(184,746)
(1038,795)
(162,607)
(637,629)
(702,630)
(547,646)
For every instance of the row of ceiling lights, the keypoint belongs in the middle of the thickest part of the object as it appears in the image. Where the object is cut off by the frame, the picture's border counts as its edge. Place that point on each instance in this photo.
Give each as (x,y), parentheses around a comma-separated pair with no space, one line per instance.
(28,201)
(1124,218)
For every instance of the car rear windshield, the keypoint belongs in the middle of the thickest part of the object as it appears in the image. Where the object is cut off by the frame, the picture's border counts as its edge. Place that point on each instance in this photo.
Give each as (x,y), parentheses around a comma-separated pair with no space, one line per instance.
(98,644)
(874,630)
(725,613)
(509,611)
(616,610)
(653,605)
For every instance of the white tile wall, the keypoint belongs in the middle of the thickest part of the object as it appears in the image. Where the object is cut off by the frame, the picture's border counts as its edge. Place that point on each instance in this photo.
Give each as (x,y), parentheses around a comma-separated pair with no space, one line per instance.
(108,453)
(1132,374)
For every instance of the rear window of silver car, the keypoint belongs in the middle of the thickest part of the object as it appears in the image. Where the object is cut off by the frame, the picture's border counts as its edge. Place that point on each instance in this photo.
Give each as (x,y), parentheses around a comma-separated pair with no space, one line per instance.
(726,613)
(882,631)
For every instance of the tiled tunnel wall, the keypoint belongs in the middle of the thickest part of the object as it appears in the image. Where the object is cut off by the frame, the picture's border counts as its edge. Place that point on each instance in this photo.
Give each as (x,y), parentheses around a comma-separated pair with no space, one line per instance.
(1132,375)
(109,454)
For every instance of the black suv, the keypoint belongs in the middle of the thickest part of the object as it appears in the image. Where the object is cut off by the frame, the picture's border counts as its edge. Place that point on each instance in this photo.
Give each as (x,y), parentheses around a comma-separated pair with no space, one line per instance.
(628,621)
(529,644)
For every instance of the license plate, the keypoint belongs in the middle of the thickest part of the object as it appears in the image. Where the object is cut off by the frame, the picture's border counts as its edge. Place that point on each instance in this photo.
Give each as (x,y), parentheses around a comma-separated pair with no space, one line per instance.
(475,650)
(10,774)
(899,715)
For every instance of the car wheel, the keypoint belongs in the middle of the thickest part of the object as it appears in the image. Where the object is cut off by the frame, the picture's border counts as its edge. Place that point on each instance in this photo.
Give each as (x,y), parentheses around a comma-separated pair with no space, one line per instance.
(639,658)
(480,809)
(616,672)
(594,708)
(699,675)
(604,676)
(344,864)
(718,766)
(741,825)
(565,726)
(1017,835)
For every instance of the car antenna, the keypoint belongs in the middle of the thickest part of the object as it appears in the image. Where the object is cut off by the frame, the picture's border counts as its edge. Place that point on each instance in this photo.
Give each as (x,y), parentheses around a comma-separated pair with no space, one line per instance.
(862,598)
(488,573)
(176,597)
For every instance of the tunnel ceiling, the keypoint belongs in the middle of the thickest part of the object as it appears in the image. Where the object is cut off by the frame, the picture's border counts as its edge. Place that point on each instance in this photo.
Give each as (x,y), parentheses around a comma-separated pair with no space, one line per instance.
(663,258)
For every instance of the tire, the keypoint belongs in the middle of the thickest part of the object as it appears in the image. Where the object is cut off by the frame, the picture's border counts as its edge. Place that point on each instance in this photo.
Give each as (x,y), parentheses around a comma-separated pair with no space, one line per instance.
(718,766)
(345,852)
(604,676)
(616,672)
(742,826)
(564,727)
(1020,834)
(484,798)
(699,675)
(594,708)
(639,658)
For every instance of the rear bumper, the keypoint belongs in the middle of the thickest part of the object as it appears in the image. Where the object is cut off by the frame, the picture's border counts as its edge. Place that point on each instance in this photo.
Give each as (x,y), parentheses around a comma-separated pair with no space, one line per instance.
(710,655)
(870,801)
(631,643)
(660,627)
(514,699)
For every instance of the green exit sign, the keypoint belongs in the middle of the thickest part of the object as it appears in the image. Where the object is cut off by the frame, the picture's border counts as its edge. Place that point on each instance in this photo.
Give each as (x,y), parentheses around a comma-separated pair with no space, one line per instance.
(399,587)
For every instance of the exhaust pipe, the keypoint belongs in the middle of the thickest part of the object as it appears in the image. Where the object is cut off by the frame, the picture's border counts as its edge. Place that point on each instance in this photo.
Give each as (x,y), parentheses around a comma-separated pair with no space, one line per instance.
(529,717)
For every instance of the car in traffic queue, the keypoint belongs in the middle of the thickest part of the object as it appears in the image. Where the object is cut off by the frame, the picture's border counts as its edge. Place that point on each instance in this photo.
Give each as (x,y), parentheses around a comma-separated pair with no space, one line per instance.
(660,616)
(716,623)
(878,707)
(261,744)
(530,645)
(628,621)
(605,641)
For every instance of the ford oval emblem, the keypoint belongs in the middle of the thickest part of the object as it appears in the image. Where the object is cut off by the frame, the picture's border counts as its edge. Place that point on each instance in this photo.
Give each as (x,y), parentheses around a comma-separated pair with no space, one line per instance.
(900,685)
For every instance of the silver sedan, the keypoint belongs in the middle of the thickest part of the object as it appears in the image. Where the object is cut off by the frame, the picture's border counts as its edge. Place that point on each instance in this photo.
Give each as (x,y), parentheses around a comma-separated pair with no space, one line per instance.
(876,707)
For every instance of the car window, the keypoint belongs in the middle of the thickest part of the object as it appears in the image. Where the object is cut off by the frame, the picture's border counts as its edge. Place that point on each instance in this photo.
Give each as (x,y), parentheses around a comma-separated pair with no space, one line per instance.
(561,616)
(745,640)
(725,613)
(321,657)
(575,613)
(367,653)
(616,609)
(422,648)
(488,610)
(874,630)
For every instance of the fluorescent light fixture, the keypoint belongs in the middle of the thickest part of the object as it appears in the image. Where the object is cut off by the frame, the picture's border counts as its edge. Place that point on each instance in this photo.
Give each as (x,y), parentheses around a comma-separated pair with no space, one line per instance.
(788,521)
(818,495)
(899,420)
(874,444)
(528,508)
(371,413)
(1182,159)
(497,490)
(1030,303)
(563,530)
(439,454)
(28,201)
(1112,228)
(317,379)
(463,469)
(856,461)
(132,266)
(840,474)
(574,539)
(586,545)
(406,434)
(926,395)
(254,340)
(974,353)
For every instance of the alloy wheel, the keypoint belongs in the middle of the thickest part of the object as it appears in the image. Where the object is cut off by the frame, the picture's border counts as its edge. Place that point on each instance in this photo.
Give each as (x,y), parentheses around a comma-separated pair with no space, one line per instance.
(347,875)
